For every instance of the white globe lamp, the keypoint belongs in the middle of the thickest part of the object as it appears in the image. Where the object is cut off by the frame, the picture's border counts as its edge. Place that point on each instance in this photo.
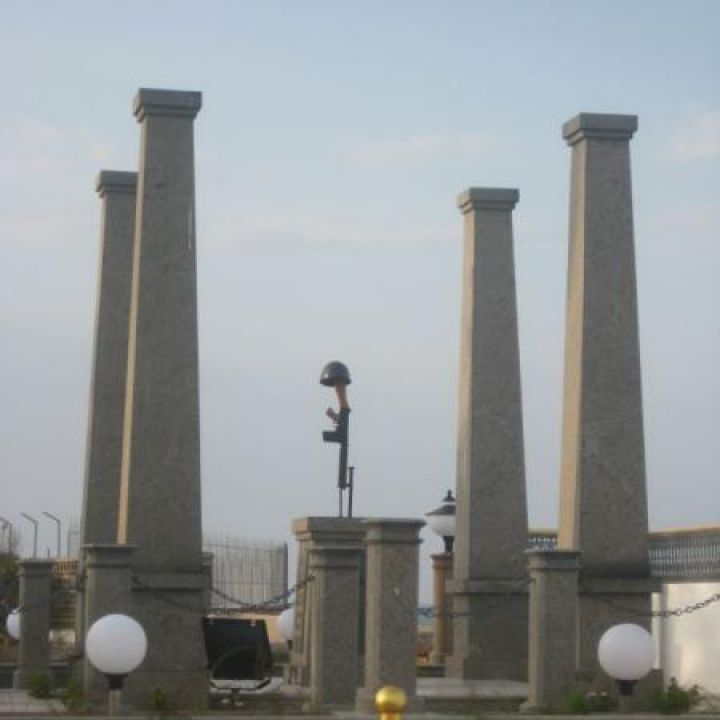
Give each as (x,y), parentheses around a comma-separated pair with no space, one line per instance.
(626,653)
(442,521)
(12,624)
(116,645)
(286,624)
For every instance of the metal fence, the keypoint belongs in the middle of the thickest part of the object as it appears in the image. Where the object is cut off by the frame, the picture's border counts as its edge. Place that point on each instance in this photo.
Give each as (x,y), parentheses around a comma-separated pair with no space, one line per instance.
(246,571)
(675,555)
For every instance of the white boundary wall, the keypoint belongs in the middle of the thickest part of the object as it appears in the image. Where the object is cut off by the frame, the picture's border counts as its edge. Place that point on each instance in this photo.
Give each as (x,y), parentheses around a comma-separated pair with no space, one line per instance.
(689,645)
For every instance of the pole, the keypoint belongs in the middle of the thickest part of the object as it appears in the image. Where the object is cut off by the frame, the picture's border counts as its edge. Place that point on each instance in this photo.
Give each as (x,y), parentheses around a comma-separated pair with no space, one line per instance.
(35,531)
(351,487)
(57,522)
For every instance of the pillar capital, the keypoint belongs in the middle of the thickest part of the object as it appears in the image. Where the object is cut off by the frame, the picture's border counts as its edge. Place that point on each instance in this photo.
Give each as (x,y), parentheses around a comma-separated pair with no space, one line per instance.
(389,531)
(546,560)
(599,125)
(487,199)
(173,103)
(115,181)
(35,567)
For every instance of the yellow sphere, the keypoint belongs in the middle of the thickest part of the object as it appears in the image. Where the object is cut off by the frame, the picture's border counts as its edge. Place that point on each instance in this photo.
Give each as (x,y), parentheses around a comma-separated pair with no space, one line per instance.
(390,700)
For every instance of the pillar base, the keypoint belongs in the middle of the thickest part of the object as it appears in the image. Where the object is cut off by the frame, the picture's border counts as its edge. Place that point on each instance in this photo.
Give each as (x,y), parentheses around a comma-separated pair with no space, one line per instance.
(490,631)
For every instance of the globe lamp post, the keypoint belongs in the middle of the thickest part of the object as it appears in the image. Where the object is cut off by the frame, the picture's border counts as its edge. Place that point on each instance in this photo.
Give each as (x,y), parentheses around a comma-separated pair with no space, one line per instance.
(115,645)
(286,625)
(336,375)
(12,624)
(442,523)
(626,653)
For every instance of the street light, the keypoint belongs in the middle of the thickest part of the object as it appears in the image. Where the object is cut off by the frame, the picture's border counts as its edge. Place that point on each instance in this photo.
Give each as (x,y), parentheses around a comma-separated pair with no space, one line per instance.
(12,624)
(626,653)
(442,521)
(336,375)
(115,645)
(56,520)
(7,526)
(35,529)
(286,625)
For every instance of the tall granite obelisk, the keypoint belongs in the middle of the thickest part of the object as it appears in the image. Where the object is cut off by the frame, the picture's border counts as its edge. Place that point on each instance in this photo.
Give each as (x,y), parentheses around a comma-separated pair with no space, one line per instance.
(159,509)
(98,529)
(489,586)
(603,499)
(107,392)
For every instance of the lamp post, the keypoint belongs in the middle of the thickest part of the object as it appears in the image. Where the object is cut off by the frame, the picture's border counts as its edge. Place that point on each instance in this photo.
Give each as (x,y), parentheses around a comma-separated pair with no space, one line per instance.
(336,375)
(286,625)
(115,645)
(12,624)
(35,531)
(626,653)
(442,523)
(7,527)
(56,520)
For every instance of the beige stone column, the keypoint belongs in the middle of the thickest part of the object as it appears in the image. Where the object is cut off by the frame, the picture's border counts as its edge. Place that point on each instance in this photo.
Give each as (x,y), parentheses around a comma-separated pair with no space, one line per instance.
(552,647)
(391,601)
(603,497)
(160,493)
(336,614)
(35,599)
(490,594)
(312,533)
(107,392)
(442,564)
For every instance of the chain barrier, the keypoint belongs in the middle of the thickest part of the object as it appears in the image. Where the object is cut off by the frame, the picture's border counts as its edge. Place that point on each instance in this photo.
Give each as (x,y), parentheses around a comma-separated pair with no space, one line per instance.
(661,614)
(272,602)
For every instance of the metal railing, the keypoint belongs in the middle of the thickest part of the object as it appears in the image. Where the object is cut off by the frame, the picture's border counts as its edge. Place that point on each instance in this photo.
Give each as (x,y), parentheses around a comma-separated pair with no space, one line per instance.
(675,555)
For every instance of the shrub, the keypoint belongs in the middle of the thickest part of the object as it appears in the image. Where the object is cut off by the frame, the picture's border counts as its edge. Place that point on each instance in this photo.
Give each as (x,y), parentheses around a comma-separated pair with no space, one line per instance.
(72,697)
(675,700)
(40,686)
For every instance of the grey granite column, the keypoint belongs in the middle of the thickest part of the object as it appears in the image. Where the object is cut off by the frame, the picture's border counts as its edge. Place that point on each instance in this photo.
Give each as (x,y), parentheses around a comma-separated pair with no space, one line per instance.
(391,601)
(160,496)
(490,595)
(552,651)
(107,392)
(35,599)
(312,533)
(442,628)
(334,638)
(107,590)
(603,500)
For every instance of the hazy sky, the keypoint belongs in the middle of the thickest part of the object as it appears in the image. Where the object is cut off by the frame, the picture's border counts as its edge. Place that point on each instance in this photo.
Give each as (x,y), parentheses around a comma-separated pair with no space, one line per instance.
(333,140)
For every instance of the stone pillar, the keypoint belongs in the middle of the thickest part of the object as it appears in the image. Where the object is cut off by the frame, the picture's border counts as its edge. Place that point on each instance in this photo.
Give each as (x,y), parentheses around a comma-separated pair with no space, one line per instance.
(391,601)
(442,632)
(107,392)
(108,590)
(334,639)
(490,594)
(160,496)
(312,533)
(35,598)
(603,501)
(552,651)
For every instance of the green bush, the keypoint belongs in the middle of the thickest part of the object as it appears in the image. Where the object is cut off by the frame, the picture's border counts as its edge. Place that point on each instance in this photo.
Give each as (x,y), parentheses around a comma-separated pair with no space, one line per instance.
(160,701)
(40,686)
(72,697)
(577,703)
(675,700)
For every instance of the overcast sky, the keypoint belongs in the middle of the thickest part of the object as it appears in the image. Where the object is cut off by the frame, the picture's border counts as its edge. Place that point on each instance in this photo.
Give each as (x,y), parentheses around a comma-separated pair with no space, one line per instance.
(333,140)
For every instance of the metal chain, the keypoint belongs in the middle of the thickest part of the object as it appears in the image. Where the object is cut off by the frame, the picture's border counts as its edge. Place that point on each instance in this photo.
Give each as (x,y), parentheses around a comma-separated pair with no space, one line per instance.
(255,607)
(662,614)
